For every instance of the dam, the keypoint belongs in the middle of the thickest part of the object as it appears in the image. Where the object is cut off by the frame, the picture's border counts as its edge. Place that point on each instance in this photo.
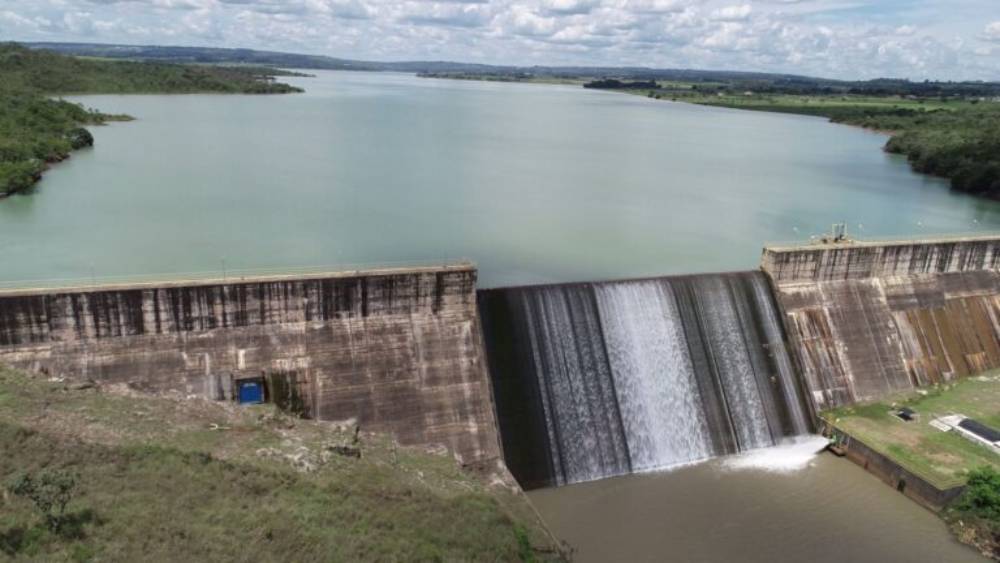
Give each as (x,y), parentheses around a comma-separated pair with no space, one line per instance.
(867,319)
(396,350)
(564,383)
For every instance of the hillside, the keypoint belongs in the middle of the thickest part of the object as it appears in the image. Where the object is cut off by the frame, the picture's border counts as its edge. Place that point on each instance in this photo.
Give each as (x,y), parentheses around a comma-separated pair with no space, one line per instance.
(36,130)
(215,55)
(173,478)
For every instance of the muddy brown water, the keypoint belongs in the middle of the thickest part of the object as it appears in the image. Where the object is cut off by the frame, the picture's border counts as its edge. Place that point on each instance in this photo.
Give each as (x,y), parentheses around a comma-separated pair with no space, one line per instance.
(830,511)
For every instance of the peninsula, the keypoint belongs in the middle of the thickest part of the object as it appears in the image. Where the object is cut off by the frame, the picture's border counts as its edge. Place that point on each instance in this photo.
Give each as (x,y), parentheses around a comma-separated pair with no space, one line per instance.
(37,129)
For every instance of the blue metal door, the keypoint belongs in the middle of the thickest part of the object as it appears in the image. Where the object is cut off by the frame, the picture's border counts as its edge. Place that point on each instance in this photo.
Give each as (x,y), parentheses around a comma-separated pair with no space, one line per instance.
(251,392)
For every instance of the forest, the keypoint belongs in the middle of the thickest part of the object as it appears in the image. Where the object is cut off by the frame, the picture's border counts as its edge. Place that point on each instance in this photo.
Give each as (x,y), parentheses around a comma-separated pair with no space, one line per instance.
(38,129)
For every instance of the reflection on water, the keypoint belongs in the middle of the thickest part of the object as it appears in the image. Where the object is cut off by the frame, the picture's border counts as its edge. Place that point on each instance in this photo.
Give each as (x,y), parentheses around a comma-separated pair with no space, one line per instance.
(829,510)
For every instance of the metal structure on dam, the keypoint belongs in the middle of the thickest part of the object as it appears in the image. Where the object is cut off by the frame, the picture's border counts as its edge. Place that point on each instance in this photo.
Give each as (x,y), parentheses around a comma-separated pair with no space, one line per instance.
(566,382)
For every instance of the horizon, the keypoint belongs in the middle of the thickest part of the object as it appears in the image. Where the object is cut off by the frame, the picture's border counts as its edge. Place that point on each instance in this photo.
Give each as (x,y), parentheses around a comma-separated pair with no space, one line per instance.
(44,44)
(836,39)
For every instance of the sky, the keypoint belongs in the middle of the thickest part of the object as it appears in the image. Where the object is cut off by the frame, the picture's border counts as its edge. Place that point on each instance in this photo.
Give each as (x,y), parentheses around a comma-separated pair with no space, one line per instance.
(850,39)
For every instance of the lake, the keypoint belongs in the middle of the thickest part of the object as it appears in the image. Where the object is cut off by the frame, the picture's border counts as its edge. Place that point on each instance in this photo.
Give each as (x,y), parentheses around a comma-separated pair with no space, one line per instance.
(535,183)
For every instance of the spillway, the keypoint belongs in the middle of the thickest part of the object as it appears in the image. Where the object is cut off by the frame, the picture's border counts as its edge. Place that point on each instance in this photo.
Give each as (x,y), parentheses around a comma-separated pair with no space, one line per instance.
(594,380)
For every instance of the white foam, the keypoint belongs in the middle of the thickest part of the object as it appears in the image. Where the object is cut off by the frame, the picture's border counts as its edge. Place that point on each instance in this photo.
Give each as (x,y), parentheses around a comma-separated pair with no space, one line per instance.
(790,455)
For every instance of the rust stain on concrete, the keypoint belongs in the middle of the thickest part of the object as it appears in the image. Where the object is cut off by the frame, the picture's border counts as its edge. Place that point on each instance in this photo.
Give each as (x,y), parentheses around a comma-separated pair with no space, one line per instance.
(869,319)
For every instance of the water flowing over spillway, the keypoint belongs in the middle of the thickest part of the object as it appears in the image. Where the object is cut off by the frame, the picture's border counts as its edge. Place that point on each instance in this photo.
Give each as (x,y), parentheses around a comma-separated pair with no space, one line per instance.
(600,379)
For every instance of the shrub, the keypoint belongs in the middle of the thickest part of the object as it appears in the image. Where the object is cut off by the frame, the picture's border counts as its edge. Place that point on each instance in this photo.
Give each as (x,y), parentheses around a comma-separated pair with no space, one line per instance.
(981,497)
(50,491)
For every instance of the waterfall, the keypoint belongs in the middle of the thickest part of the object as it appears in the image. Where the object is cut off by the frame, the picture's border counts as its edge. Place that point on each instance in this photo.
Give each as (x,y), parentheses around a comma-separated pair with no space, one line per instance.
(602,379)
(655,381)
(581,415)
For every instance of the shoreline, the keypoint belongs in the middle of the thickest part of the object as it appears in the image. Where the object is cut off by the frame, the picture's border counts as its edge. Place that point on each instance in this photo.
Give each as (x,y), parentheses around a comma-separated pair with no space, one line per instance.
(107,119)
(893,135)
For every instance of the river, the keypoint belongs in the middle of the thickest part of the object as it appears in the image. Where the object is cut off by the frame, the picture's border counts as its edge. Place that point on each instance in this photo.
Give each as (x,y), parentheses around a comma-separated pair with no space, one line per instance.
(535,183)
(774,506)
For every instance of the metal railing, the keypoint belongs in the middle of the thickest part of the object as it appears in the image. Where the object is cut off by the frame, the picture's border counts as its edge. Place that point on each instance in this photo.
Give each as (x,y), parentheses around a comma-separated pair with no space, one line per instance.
(888,239)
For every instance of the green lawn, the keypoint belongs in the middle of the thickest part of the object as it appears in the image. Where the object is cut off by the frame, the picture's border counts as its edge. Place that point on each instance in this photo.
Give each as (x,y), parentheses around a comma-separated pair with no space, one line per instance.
(943,458)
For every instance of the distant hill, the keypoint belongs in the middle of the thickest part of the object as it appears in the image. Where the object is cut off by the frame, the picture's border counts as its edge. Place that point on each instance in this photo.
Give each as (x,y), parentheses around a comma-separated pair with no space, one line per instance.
(292,60)
(755,81)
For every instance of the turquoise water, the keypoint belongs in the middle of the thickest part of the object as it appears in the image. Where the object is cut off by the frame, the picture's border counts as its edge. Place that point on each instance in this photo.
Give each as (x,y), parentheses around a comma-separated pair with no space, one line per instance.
(535,183)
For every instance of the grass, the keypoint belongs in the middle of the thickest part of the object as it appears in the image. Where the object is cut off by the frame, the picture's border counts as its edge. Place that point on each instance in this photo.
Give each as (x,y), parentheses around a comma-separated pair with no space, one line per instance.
(170,478)
(942,458)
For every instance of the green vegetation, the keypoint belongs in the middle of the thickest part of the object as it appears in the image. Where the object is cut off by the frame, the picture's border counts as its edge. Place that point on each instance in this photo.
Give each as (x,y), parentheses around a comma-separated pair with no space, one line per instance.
(36,130)
(942,458)
(975,516)
(50,491)
(949,129)
(170,478)
(954,137)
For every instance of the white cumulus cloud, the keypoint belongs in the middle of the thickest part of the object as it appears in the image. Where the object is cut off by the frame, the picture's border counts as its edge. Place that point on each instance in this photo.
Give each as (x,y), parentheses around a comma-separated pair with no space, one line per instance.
(834,38)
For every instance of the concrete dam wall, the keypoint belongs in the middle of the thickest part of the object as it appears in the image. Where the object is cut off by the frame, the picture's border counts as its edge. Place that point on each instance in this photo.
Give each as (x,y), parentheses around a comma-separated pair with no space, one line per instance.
(600,379)
(866,320)
(399,350)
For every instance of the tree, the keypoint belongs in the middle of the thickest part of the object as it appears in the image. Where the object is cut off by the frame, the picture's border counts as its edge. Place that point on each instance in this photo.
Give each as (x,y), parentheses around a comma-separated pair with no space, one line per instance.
(982,494)
(50,491)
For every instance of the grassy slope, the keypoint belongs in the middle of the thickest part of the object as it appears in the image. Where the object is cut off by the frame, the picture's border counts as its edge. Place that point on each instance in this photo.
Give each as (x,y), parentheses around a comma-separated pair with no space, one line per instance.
(36,131)
(943,458)
(191,480)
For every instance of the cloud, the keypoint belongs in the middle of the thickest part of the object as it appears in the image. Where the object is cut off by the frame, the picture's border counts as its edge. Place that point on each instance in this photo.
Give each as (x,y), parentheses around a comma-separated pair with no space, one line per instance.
(834,38)
(445,14)
(732,13)
(569,7)
(992,32)
(655,6)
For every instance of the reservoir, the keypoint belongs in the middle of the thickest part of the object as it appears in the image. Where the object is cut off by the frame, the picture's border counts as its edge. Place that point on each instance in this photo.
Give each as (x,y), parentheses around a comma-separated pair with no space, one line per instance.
(538,184)
(535,183)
